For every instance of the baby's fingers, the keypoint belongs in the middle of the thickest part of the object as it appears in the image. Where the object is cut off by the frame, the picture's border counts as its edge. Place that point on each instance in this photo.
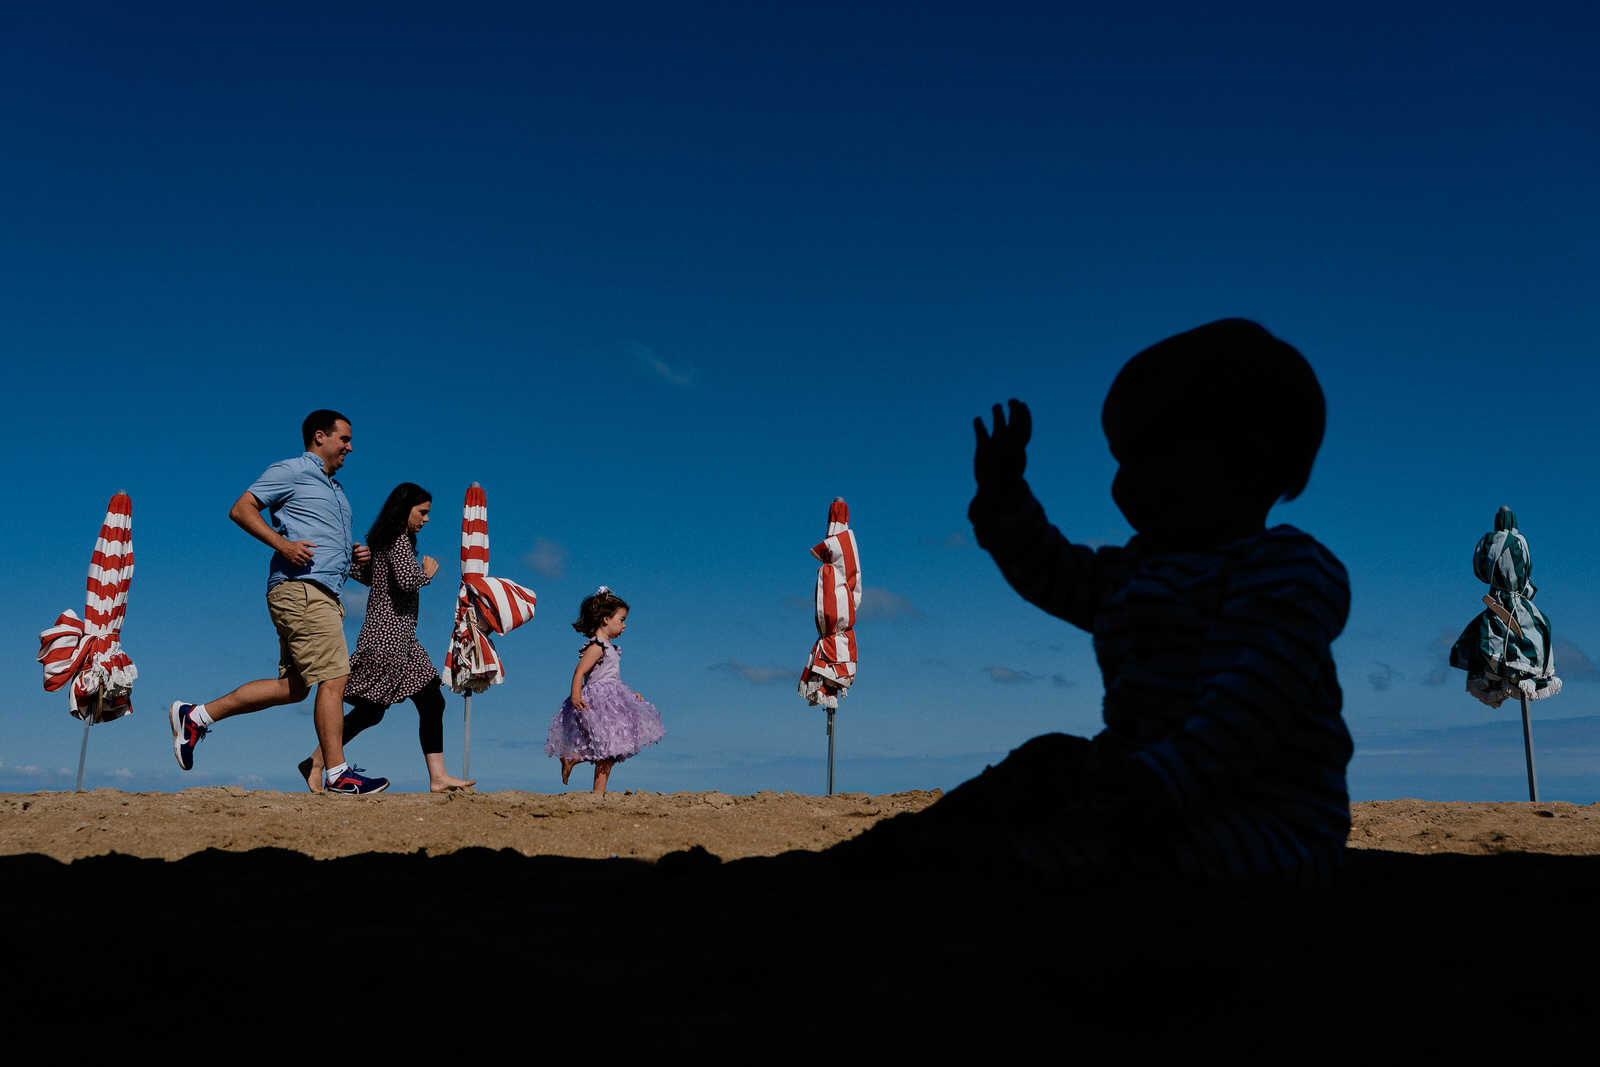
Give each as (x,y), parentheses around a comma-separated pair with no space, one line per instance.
(1021,422)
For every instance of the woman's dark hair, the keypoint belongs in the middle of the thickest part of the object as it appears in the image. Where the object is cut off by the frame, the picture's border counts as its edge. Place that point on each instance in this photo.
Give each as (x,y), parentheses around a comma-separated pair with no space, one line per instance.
(596,609)
(391,521)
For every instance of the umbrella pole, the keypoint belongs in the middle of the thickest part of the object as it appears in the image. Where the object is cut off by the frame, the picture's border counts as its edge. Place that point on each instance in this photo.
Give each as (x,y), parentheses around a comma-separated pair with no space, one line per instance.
(466,748)
(83,751)
(830,752)
(1527,744)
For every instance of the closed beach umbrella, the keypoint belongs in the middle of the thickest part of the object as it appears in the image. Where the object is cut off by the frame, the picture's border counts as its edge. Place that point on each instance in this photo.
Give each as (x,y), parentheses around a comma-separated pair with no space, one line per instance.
(832,669)
(85,655)
(483,605)
(1506,649)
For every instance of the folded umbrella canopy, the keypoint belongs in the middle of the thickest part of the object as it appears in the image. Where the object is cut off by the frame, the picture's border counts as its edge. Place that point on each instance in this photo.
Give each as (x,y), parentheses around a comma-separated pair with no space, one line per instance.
(1506,649)
(483,605)
(832,669)
(85,655)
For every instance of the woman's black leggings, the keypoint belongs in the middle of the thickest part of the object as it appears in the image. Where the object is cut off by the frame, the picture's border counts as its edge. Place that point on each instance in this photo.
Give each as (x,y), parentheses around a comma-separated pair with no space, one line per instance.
(430,717)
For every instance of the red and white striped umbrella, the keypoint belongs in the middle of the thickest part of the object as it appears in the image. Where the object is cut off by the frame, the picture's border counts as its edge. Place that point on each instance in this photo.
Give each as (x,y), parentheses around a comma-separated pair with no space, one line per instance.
(832,668)
(483,605)
(85,655)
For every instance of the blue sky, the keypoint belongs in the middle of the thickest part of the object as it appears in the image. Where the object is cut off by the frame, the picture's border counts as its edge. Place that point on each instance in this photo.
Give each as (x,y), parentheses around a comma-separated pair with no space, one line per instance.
(667,278)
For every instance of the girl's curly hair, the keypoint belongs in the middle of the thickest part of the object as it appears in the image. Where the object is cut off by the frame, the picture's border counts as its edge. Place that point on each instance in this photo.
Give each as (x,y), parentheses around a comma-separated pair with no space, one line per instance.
(596,609)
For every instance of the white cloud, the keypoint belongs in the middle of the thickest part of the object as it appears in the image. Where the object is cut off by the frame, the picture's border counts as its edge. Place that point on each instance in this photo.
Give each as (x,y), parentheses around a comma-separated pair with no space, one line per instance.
(1571,664)
(548,558)
(679,375)
(1116,535)
(1382,674)
(758,675)
(953,542)
(880,605)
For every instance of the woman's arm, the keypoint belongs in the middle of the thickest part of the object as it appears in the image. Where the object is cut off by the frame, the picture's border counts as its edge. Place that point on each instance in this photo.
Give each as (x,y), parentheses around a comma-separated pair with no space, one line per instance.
(408,574)
(586,662)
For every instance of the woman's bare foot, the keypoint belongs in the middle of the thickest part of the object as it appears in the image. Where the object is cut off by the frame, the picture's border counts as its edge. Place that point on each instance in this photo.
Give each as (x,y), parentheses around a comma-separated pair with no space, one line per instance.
(440,780)
(311,770)
(566,769)
(602,774)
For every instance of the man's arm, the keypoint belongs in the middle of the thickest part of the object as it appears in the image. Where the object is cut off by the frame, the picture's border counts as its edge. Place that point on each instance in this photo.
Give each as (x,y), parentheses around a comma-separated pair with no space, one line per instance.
(246,514)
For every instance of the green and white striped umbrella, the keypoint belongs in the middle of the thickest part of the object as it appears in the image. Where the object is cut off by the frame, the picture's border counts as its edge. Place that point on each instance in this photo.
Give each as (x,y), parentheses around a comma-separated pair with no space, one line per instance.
(1506,650)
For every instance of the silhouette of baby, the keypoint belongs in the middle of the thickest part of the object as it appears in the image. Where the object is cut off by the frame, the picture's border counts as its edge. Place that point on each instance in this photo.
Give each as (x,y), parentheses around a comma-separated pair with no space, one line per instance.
(1223,754)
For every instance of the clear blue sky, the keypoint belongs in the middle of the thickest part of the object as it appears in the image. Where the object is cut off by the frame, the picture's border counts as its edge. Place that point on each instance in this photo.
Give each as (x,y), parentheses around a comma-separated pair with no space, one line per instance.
(667,278)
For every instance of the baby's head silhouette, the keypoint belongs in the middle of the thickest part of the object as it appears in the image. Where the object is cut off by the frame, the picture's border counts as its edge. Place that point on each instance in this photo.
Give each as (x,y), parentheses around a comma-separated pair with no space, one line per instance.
(1210,428)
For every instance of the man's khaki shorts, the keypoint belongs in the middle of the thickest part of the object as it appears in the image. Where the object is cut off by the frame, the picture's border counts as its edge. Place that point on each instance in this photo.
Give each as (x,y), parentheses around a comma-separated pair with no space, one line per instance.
(310,624)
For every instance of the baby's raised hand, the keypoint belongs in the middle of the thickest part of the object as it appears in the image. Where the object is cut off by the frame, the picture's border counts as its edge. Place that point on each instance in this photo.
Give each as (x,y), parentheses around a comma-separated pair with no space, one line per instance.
(1002,456)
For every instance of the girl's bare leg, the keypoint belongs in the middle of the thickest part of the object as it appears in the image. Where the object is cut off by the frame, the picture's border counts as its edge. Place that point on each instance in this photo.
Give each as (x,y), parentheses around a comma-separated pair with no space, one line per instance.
(439,781)
(566,768)
(602,774)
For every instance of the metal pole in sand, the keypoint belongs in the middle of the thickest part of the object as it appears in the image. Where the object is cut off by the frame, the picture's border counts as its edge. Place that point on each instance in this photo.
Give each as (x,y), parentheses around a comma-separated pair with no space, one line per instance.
(1527,745)
(830,752)
(83,751)
(466,749)
(477,664)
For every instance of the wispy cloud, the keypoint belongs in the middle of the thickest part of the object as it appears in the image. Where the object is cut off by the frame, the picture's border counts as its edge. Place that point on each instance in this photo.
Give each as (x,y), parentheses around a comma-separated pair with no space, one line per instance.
(880,605)
(1381,675)
(956,541)
(679,375)
(1062,681)
(548,558)
(1571,664)
(1114,536)
(1007,676)
(757,675)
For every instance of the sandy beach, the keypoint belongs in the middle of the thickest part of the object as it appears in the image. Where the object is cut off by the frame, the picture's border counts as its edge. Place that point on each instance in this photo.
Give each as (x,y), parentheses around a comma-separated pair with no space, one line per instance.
(432,924)
(632,824)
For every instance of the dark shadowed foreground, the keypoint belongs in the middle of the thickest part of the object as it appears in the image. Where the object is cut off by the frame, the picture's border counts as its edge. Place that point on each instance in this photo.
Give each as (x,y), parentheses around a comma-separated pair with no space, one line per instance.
(1458,944)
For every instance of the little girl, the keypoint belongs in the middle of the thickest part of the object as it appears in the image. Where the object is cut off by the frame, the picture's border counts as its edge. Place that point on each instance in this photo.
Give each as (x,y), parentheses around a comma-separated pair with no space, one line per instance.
(603,722)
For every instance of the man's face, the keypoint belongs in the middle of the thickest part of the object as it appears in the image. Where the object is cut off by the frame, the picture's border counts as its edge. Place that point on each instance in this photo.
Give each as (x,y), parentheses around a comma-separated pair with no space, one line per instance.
(333,445)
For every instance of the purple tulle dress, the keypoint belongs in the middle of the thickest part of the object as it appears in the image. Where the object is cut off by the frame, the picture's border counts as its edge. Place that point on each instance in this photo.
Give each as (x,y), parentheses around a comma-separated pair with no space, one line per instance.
(616,725)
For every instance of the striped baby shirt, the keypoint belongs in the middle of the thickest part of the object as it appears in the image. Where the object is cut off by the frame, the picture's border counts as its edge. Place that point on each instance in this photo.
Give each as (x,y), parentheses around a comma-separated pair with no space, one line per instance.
(1219,680)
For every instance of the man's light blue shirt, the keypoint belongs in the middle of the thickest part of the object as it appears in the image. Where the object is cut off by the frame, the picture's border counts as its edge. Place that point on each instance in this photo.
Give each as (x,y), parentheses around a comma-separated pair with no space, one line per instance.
(308,505)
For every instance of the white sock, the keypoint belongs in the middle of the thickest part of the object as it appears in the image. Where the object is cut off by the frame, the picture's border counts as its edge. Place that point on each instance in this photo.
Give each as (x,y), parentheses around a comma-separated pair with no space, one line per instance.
(333,773)
(201,717)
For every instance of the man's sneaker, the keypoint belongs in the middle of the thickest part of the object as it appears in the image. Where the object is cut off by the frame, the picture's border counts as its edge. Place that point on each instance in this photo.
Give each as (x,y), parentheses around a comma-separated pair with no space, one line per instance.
(352,783)
(186,733)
